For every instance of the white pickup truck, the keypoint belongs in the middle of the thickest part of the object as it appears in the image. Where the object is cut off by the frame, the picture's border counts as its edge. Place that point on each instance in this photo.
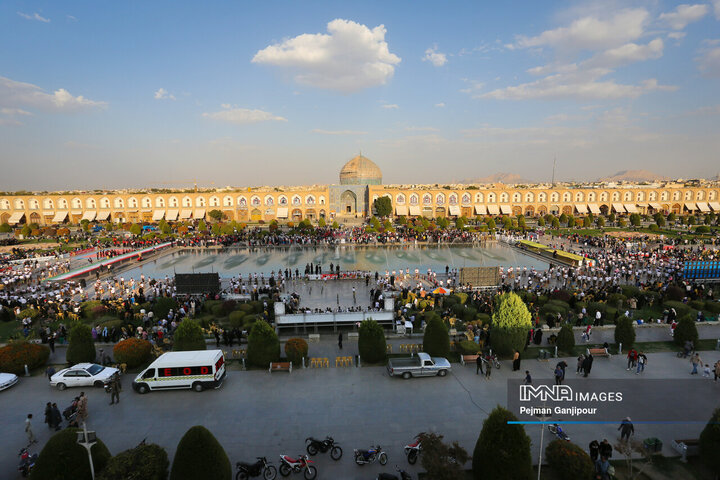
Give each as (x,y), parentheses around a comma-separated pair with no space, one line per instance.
(421,365)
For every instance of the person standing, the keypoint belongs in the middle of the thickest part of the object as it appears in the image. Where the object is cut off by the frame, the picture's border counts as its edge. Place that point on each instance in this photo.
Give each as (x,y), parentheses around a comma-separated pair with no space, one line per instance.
(695,360)
(558,375)
(51,343)
(626,429)
(115,388)
(587,365)
(580,362)
(717,370)
(594,450)
(48,413)
(516,361)
(641,362)
(82,407)
(528,378)
(562,365)
(632,358)
(340,340)
(50,372)
(28,430)
(56,417)
(479,365)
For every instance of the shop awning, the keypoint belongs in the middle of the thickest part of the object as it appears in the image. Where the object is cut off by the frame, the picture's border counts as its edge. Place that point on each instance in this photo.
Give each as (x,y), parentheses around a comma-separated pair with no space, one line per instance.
(103,215)
(704,207)
(415,210)
(60,217)
(454,210)
(480,210)
(618,207)
(630,208)
(593,207)
(199,213)
(690,206)
(715,206)
(158,215)
(581,208)
(89,216)
(401,210)
(48,213)
(493,210)
(282,212)
(185,214)
(505,209)
(655,206)
(16,217)
(172,214)
(76,212)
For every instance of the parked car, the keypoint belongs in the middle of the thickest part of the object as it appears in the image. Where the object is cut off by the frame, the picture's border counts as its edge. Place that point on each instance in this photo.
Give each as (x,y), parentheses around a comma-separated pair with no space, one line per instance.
(83,375)
(421,365)
(7,380)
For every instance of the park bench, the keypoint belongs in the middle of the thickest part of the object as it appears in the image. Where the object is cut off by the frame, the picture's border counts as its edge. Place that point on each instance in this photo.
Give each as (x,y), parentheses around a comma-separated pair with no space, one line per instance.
(277,366)
(686,447)
(465,359)
(598,352)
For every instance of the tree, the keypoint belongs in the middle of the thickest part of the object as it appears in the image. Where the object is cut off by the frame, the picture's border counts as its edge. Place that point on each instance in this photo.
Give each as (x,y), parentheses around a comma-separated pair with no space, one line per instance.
(460,223)
(62,458)
(81,347)
(511,323)
(202,226)
(541,222)
(502,451)
(295,350)
(671,217)
(565,339)
(491,224)
(569,461)
(635,220)
(321,222)
(25,231)
(710,443)
(199,456)
(5,228)
(612,217)
(685,330)
(144,462)
(436,341)
(216,215)
(563,218)
(371,341)
(521,222)
(571,221)
(335,225)
(600,222)
(383,206)
(188,336)
(440,460)
(263,345)
(587,222)
(135,229)
(625,332)
(164,227)
(555,223)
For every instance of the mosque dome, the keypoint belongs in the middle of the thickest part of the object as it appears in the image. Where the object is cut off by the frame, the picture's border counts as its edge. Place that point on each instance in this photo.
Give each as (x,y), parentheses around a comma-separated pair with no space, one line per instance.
(360,171)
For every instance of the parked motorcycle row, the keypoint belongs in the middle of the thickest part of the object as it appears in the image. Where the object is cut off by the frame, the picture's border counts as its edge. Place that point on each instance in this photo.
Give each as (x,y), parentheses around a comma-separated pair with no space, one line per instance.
(302,463)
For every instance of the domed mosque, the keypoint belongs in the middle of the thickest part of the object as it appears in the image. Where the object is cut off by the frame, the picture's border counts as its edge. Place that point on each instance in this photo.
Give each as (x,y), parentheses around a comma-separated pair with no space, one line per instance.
(360,170)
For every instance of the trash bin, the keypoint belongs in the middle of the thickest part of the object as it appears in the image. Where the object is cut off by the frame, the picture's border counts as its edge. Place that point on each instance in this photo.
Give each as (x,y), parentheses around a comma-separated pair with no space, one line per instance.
(652,444)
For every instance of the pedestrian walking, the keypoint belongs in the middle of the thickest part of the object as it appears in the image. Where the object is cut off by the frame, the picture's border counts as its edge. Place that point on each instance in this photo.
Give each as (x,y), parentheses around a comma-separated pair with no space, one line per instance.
(587,365)
(82,407)
(48,413)
(340,340)
(50,371)
(56,417)
(594,450)
(563,365)
(516,361)
(558,375)
(51,343)
(632,358)
(479,365)
(528,378)
(706,370)
(115,388)
(626,429)
(717,370)
(580,362)
(695,360)
(488,368)
(28,430)
(641,362)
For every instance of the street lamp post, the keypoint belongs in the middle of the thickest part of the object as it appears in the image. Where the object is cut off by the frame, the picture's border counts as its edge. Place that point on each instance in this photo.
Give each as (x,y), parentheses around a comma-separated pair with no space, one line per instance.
(87,439)
(542,418)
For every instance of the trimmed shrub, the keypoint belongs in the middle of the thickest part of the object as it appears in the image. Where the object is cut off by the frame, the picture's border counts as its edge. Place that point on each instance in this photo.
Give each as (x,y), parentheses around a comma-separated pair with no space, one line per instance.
(712,307)
(295,350)
(29,312)
(144,462)
(625,332)
(81,347)
(436,341)
(710,443)
(263,345)
(227,307)
(236,319)
(696,304)
(511,323)
(371,341)
(245,307)
(502,451)
(199,456)
(674,292)
(162,307)
(62,458)
(132,351)
(569,461)
(109,322)
(468,347)
(685,330)
(565,339)
(86,308)
(188,336)
(6,314)
(14,356)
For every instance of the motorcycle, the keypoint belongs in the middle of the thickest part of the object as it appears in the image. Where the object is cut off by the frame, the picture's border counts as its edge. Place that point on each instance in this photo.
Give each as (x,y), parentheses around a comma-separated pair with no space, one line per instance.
(413,450)
(370,455)
(492,359)
(313,446)
(27,462)
(557,430)
(389,476)
(261,467)
(301,464)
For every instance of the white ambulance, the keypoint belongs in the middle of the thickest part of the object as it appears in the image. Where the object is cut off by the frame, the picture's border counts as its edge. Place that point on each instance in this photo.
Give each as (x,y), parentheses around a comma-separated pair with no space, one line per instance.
(197,369)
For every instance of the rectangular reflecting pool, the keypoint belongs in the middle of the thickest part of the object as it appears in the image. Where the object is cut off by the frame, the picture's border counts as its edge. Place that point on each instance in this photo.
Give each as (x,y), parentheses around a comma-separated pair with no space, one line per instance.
(233,261)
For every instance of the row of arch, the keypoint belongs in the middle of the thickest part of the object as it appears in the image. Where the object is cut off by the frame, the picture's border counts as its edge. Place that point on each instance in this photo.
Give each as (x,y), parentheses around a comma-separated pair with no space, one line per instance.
(162,202)
(554,197)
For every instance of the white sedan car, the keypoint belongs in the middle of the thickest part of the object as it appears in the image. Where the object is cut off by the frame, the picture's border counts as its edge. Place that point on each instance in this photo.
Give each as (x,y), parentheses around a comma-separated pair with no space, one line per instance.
(83,375)
(7,380)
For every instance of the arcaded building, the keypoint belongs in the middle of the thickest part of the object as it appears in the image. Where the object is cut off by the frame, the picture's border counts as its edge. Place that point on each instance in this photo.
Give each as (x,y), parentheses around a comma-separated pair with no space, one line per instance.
(360,184)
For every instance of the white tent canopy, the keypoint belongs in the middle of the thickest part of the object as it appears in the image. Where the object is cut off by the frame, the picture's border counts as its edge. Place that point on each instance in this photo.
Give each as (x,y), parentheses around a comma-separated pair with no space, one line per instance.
(172,215)
(59,217)
(454,210)
(16,217)
(493,210)
(401,210)
(594,208)
(185,214)
(89,215)
(480,210)
(581,208)
(282,212)
(158,215)
(630,208)
(103,215)
(505,209)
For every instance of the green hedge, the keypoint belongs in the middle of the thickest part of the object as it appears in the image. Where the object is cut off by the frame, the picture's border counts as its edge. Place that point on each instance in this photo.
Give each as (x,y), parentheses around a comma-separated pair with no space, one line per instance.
(686,330)
(144,462)
(468,347)
(568,461)
(502,451)
(62,458)
(236,319)
(371,341)
(625,332)
(436,341)
(188,336)
(132,351)
(566,339)
(81,347)
(710,443)
(295,350)
(263,345)
(14,356)
(199,456)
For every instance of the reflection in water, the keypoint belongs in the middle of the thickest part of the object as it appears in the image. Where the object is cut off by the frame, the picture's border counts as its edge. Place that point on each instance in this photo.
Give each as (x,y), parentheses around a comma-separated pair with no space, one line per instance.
(231,261)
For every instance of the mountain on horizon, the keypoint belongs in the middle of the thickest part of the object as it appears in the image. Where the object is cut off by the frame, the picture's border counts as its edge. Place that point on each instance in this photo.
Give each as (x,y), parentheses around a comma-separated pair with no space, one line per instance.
(506,178)
(633,176)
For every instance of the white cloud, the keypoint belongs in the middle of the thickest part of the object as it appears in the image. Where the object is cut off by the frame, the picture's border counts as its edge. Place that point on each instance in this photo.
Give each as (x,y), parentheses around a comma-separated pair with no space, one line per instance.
(351,57)
(440,105)
(34,16)
(422,129)
(677,35)
(162,94)
(243,116)
(683,15)
(338,132)
(71,18)
(19,94)
(709,110)
(14,111)
(390,106)
(709,62)
(591,32)
(626,54)
(433,56)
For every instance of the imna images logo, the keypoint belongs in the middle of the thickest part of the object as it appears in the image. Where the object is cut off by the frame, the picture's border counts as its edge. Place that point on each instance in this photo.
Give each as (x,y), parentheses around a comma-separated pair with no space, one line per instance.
(546,393)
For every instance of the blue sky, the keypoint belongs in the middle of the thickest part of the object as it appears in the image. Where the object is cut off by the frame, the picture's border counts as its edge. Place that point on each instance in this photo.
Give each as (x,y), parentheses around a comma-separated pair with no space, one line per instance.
(131,94)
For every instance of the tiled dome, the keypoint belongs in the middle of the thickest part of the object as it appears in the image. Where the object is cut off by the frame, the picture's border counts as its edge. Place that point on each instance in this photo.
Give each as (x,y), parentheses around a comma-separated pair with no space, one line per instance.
(360,171)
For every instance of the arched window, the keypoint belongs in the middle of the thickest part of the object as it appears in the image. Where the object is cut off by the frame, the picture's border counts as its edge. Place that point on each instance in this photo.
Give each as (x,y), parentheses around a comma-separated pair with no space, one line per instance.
(427,199)
(187,202)
(76,203)
(283,201)
(34,204)
(504,197)
(90,203)
(19,204)
(591,196)
(440,199)
(491,198)
(48,204)
(712,195)
(400,199)
(579,196)
(173,202)
(63,204)
(269,201)
(119,202)
(5,204)
(567,197)
(688,195)
(517,198)
(296,201)
(466,199)
(542,197)
(132,202)
(242,202)
(321,200)
(677,195)
(200,202)
(616,196)
(700,195)
(104,202)
(227,201)
(160,202)
(310,200)
(146,202)
(652,196)
(603,196)
(664,196)
(479,198)
(627,196)
(529,197)
(255,201)
(554,196)
(453,199)
(214,201)
(413,199)
(640,197)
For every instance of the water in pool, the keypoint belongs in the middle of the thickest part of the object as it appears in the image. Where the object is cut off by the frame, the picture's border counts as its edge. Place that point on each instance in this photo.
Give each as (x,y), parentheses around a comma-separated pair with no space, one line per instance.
(232,261)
